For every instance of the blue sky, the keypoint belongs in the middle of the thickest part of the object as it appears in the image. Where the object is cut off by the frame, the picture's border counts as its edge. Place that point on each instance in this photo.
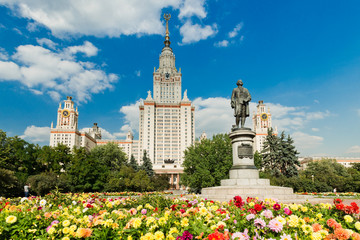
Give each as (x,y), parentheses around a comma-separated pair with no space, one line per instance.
(302,58)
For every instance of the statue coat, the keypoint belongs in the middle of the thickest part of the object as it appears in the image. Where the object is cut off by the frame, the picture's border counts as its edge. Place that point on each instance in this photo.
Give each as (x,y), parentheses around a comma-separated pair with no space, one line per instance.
(240,99)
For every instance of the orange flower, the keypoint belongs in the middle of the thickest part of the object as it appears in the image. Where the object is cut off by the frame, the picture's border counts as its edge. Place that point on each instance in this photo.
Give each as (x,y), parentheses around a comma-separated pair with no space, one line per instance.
(83,232)
(307,219)
(355,236)
(316,227)
(341,234)
(47,214)
(333,223)
(330,237)
(102,211)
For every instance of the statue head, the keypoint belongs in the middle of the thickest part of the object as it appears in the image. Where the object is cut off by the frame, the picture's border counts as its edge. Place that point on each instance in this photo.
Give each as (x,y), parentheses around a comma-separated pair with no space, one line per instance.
(239,82)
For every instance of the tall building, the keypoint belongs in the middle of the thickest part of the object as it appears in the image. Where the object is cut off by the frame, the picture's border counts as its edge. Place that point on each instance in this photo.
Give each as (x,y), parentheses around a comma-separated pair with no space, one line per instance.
(166,126)
(262,122)
(66,131)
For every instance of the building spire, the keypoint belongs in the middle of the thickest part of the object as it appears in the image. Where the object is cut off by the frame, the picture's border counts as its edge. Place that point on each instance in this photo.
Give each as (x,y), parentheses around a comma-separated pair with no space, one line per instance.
(167,17)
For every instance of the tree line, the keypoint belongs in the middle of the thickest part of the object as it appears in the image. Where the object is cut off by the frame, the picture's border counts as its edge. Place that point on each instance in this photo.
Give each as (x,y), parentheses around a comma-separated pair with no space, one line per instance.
(104,168)
(207,162)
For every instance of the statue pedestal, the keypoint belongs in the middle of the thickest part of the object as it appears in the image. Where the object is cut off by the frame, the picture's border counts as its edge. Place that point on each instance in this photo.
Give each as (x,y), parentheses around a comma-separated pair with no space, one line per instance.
(244,178)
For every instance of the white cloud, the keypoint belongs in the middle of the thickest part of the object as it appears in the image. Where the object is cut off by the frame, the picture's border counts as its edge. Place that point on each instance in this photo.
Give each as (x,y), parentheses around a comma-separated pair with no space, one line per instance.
(194,32)
(36,92)
(131,113)
(305,141)
(9,71)
(236,30)
(37,134)
(138,73)
(358,111)
(54,95)
(46,43)
(354,149)
(87,48)
(57,72)
(223,43)
(3,54)
(100,18)
(190,8)
(315,129)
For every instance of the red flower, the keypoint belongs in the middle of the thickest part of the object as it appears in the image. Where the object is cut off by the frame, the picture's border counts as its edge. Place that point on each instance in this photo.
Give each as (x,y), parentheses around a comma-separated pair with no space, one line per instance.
(258,207)
(337,201)
(276,207)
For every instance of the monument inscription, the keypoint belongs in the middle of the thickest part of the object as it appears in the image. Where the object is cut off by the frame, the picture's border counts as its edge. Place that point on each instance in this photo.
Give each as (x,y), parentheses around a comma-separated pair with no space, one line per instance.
(245,151)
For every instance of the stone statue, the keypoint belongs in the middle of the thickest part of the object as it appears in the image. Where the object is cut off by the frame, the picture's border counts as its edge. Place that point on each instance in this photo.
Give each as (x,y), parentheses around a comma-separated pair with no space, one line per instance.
(240,99)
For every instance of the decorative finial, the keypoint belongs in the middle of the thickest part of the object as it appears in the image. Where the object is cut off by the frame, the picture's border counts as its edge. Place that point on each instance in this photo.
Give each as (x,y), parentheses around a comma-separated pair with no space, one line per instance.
(167,17)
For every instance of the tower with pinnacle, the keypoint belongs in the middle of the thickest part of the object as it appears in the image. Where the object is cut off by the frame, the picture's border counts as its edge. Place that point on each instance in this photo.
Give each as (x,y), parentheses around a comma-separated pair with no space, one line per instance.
(166,126)
(262,122)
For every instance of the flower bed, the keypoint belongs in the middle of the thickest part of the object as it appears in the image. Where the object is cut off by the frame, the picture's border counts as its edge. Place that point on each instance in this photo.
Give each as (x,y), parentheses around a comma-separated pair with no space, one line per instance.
(331,194)
(75,216)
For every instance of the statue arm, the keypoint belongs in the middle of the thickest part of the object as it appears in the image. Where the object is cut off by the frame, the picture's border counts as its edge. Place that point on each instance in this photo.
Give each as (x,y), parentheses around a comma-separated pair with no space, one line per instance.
(233,99)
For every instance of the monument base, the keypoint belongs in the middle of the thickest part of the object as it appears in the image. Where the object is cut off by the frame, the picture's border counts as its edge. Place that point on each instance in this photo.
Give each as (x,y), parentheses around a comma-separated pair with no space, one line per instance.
(244,178)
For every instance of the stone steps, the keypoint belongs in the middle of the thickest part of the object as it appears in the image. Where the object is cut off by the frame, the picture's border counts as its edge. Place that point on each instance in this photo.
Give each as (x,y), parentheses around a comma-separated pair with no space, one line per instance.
(226,193)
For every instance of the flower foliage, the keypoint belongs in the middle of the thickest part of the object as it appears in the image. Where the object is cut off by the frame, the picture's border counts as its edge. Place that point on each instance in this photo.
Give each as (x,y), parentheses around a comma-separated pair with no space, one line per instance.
(150,217)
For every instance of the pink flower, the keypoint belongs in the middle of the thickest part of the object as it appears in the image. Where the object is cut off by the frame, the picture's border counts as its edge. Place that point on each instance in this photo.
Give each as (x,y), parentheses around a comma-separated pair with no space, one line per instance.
(241,235)
(285,237)
(143,211)
(259,223)
(275,225)
(287,211)
(250,216)
(267,214)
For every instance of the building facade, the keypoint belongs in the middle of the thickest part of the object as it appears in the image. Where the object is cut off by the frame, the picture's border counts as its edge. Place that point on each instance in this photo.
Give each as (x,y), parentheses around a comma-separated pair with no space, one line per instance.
(166,124)
(261,124)
(66,131)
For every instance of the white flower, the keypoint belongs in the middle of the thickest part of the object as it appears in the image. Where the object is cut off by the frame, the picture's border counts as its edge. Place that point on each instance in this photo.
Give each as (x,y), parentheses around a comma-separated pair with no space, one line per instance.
(84,210)
(43,202)
(74,202)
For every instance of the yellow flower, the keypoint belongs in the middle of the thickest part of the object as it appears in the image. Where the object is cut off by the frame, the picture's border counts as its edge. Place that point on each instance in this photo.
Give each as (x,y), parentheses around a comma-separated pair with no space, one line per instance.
(173,230)
(348,219)
(51,230)
(319,215)
(162,221)
(11,219)
(115,226)
(214,207)
(293,221)
(159,235)
(136,222)
(73,228)
(294,207)
(316,236)
(251,204)
(66,223)
(129,238)
(170,237)
(66,230)
(147,236)
(32,230)
(65,238)
(304,209)
(139,207)
(149,221)
(202,211)
(357,226)
(184,222)
(306,228)
(281,220)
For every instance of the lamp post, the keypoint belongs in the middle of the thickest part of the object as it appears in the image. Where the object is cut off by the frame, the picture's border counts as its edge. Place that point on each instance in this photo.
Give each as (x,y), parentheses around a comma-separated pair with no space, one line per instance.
(312,178)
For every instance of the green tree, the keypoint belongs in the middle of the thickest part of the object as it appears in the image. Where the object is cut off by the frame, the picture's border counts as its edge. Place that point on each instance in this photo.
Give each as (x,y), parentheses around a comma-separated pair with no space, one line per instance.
(85,172)
(133,163)
(147,165)
(280,156)
(54,159)
(9,183)
(111,155)
(328,173)
(258,160)
(160,182)
(207,162)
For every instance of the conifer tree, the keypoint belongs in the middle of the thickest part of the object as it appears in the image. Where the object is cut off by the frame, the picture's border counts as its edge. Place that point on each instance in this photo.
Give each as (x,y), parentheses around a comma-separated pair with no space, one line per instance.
(147,165)
(133,163)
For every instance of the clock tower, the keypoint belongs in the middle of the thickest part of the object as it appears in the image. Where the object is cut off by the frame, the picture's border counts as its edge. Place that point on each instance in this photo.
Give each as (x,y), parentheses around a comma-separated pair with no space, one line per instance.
(67,115)
(262,122)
